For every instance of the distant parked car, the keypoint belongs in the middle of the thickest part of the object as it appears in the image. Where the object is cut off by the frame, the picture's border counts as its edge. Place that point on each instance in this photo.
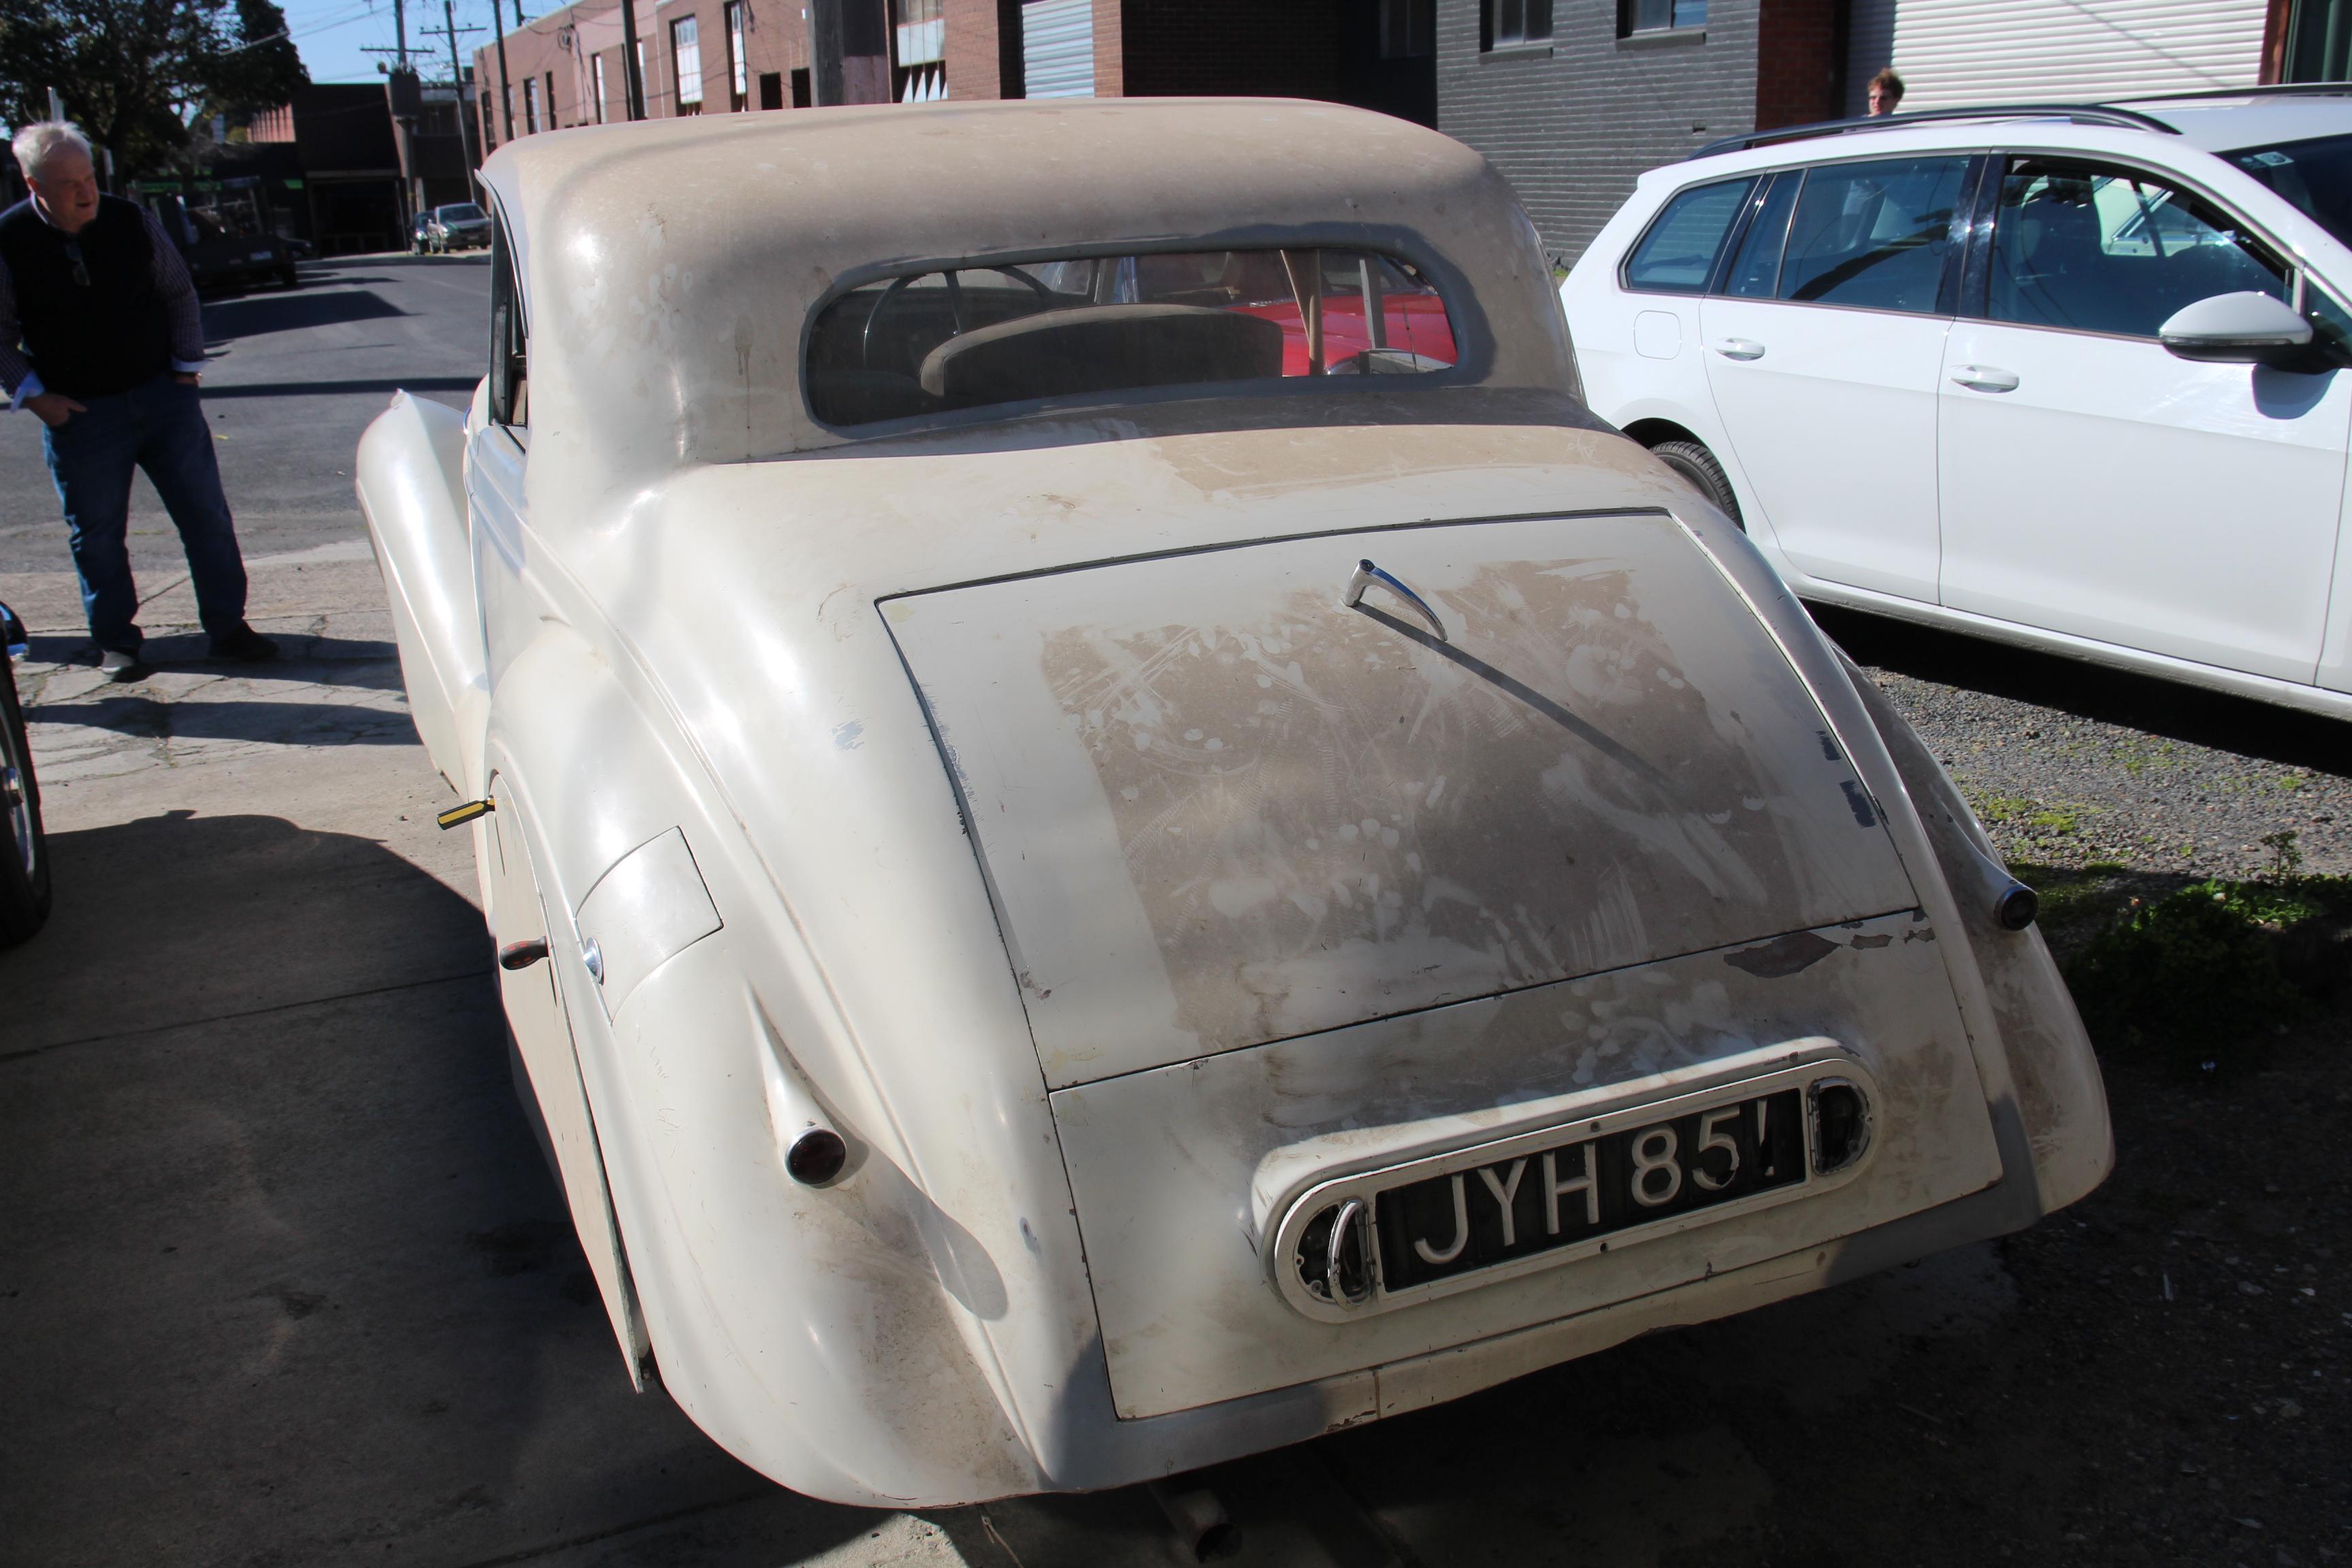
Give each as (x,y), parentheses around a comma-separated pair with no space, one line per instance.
(1116,833)
(459,226)
(24,852)
(2072,377)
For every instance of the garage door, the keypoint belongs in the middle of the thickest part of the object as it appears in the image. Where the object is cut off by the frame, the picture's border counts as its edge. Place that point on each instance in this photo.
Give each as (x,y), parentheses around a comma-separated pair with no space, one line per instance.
(1953,53)
(1058,48)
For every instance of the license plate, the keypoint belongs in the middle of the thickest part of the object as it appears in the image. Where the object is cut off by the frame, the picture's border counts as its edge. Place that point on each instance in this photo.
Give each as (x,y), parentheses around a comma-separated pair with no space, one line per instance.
(1580,1189)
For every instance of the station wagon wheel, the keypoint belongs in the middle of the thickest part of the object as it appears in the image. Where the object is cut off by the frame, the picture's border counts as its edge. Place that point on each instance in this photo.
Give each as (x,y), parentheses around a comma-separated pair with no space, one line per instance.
(24,850)
(1698,467)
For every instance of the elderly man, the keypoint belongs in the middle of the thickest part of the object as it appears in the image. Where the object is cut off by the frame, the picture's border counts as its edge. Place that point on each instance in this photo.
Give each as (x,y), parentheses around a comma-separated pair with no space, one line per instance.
(100,337)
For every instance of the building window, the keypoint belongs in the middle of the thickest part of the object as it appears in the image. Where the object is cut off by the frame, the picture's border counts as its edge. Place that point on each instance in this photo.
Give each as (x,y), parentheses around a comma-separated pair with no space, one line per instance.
(530,106)
(920,36)
(1408,29)
(489,128)
(551,122)
(1659,15)
(686,59)
(771,89)
(601,100)
(804,96)
(739,81)
(1516,24)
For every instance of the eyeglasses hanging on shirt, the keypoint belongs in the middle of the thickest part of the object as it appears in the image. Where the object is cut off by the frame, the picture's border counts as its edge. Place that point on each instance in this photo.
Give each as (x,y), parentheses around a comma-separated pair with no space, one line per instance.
(81,271)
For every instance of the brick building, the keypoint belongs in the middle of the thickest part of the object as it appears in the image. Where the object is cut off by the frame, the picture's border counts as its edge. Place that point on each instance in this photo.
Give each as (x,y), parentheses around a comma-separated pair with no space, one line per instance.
(717,57)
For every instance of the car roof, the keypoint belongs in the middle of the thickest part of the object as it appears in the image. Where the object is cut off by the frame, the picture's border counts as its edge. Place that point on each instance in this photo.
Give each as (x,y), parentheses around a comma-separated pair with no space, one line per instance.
(2228,125)
(2208,122)
(679,261)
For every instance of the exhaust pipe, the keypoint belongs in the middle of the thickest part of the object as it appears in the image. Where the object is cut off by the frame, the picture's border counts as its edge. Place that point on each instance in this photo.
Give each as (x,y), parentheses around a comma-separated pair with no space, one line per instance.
(1203,1527)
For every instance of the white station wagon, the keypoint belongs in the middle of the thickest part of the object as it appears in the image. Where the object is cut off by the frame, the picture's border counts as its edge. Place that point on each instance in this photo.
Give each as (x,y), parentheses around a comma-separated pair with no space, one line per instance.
(2071,377)
(1117,832)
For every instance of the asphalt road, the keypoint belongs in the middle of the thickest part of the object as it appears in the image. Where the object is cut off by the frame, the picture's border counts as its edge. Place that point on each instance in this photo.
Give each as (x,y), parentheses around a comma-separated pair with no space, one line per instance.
(295,377)
(284,1280)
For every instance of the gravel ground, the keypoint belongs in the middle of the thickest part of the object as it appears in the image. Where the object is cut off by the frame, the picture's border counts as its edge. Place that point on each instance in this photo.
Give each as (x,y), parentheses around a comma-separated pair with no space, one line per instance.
(2077,768)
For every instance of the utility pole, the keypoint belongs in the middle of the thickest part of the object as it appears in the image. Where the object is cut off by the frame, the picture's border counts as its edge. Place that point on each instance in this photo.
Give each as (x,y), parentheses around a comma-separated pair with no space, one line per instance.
(399,50)
(449,30)
(506,92)
(633,85)
(825,84)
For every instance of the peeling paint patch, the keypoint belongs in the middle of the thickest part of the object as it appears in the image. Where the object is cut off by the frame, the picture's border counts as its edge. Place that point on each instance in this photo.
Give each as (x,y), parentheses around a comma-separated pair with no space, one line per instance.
(1784,955)
(846,736)
(1860,802)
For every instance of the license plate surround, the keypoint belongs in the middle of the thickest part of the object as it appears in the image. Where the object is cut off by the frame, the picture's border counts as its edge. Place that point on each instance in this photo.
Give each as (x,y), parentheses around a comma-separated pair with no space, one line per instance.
(1806,1072)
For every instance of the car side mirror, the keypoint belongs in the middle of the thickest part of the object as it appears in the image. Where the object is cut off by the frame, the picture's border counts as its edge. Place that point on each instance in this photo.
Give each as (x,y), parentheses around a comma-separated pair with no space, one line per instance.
(2237,329)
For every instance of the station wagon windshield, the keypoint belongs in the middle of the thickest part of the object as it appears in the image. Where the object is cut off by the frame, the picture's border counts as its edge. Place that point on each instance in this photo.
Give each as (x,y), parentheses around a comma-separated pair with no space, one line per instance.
(934,342)
(2315,175)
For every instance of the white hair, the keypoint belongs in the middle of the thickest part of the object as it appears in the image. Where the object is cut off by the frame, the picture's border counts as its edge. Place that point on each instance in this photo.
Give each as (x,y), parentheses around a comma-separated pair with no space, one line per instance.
(43,140)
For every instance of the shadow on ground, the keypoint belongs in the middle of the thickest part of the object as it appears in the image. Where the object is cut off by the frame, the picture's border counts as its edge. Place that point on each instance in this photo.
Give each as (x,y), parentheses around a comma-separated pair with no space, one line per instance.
(284,1279)
(2074,686)
(230,319)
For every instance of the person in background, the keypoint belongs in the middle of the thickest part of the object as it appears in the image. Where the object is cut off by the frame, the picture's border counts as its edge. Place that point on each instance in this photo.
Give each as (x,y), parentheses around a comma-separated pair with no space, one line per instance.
(1885,92)
(100,337)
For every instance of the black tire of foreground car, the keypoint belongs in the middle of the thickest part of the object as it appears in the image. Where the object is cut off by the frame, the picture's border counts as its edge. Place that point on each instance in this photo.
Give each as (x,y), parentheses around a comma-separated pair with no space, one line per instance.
(1696,464)
(24,852)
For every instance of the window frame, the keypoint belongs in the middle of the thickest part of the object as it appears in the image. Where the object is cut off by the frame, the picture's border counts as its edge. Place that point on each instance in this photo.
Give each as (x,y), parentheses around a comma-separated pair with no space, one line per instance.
(679,102)
(1628,27)
(1491,42)
(734,27)
(1975,302)
(509,334)
(1472,343)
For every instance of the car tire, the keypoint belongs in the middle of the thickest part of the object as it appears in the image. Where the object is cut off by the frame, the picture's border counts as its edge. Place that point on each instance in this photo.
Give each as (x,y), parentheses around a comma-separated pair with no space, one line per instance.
(24,848)
(1695,464)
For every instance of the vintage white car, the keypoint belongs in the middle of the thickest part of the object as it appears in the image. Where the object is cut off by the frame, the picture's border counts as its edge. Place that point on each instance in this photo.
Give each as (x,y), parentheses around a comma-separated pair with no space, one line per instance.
(1118,834)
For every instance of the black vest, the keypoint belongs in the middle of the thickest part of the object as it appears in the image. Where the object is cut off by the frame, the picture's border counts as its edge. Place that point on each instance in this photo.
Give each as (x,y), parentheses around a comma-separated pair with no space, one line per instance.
(88,341)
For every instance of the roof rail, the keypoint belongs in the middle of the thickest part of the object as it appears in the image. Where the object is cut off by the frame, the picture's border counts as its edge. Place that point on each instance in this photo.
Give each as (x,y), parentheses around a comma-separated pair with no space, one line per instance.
(2079,113)
(2271,90)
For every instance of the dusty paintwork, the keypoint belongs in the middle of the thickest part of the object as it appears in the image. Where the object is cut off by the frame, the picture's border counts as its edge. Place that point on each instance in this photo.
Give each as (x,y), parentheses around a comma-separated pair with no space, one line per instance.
(675,611)
(1180,1172)
(1227,808)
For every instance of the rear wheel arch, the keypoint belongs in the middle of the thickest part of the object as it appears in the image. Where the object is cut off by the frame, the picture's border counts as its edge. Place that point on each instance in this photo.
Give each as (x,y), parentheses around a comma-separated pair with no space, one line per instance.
(1693,460)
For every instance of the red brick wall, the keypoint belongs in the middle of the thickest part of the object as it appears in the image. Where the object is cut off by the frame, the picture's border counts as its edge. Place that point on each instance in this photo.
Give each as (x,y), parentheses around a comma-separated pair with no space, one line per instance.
(777,41)
(975,65)
(1797,66)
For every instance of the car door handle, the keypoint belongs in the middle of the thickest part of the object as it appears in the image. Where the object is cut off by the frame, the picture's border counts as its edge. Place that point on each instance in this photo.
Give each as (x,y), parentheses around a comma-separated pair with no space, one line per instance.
(1985,378)
(1739,348)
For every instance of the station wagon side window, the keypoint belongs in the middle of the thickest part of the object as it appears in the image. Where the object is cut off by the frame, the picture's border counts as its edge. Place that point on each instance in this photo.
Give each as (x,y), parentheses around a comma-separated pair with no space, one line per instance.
(2098,248)
(509,346)
(1678,254)
(1873,235)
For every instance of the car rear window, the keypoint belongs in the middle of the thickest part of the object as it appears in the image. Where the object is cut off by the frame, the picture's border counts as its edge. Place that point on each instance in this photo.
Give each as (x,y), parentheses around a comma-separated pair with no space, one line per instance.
(1008,334)
(1677,255)
(462,212)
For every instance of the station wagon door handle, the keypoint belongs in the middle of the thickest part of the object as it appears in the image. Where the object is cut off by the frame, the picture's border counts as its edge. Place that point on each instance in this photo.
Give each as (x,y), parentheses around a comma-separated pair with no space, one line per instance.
(1739,348)
(1985,378)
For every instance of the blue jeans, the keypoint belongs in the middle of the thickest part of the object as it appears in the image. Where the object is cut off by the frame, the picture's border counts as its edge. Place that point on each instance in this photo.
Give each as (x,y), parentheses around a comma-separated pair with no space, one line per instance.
(160,428)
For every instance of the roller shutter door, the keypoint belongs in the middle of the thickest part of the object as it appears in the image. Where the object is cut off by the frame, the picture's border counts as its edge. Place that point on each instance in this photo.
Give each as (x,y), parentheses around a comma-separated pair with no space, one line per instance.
(1058,48)
(1952,53)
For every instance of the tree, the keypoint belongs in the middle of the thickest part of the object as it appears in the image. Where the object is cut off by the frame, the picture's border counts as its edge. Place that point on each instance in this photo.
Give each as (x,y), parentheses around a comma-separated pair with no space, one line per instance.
(134,73)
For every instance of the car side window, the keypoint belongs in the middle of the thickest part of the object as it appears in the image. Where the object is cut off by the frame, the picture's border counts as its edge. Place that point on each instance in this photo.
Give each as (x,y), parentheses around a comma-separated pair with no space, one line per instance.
(509,358)
(1677,255)
(1874,235)
(2103,249)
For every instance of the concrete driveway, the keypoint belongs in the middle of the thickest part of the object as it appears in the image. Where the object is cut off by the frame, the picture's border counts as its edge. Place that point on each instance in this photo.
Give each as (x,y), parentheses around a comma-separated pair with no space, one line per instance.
(284,1281)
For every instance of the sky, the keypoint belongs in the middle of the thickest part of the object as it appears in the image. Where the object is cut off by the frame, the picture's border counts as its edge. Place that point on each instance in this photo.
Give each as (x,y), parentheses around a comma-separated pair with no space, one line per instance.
(334,34)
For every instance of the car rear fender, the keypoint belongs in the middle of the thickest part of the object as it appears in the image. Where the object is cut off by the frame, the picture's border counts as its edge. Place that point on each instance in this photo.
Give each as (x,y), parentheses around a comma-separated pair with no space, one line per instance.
(410,484)
(2060,1094)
